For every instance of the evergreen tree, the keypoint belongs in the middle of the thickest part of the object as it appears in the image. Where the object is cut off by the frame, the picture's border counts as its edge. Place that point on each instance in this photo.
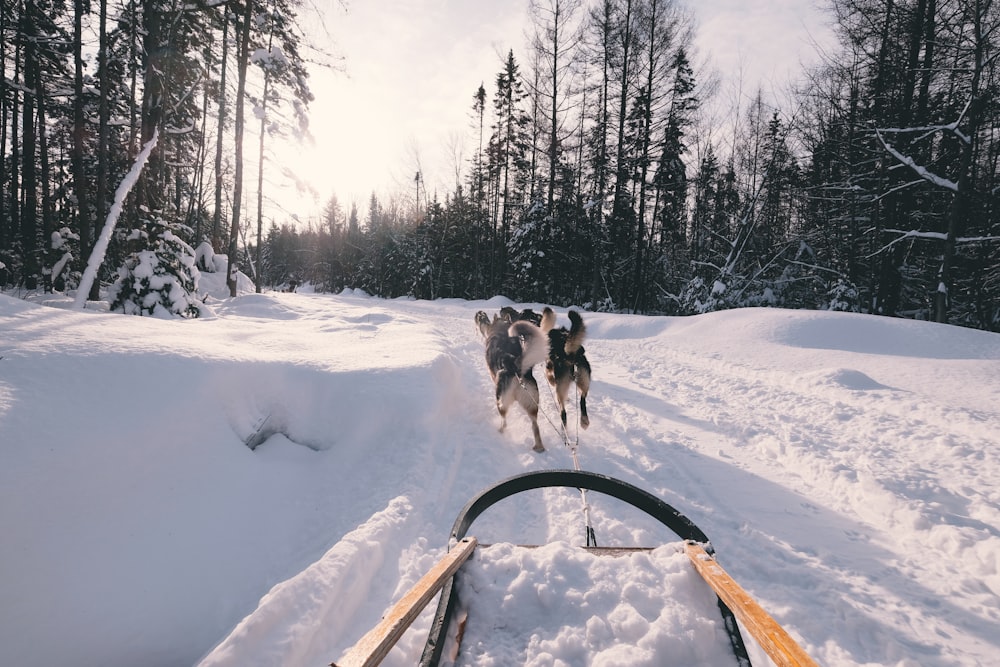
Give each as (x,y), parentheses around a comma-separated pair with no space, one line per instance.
(159,277)
(509,165)
(671,183)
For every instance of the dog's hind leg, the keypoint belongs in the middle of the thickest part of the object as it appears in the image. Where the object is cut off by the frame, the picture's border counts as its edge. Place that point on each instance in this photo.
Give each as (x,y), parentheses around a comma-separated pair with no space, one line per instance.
(505,386)
(562,388)
(583,386)
(528,398)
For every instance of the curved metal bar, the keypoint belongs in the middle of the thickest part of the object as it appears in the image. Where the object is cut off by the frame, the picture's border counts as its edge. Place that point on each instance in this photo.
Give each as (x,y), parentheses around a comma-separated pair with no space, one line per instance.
(633,495)
(591,481)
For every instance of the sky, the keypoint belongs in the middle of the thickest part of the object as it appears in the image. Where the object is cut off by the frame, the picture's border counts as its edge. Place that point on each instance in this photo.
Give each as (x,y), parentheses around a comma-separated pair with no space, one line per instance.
(845,467)
(401,97)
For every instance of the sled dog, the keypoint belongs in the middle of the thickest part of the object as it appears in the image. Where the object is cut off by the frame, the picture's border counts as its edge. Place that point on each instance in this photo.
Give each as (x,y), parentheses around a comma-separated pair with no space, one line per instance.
(512,350)
(513,315)
(567,363)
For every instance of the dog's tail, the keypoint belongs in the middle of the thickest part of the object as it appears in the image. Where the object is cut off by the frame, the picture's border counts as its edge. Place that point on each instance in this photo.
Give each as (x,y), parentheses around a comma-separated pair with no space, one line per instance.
(482,323)
(548,322)
(577,332)
(534,344)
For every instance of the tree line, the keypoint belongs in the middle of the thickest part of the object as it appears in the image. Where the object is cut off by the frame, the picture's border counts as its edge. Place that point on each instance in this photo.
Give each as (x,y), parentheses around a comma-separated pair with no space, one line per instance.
(87,85)
(604,174)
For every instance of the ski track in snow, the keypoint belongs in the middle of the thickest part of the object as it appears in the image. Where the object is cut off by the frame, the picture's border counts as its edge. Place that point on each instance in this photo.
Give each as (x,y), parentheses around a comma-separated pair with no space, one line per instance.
(429,454)
(729,413)
(756,456)
(711,434)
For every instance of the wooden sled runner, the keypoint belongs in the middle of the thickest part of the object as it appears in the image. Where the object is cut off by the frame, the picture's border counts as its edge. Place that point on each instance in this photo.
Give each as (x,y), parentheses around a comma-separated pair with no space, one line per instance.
(733,602)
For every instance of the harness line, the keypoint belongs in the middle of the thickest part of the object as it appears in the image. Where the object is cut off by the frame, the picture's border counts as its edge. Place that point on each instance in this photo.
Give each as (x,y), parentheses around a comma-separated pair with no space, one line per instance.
(591,536)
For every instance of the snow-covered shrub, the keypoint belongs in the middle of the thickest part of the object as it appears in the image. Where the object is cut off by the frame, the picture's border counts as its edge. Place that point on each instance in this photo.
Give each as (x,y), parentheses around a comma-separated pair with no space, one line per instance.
(605,305)
(525,256)
(64,246)
(843,296)
(204,257)
(699,297)
(160,278)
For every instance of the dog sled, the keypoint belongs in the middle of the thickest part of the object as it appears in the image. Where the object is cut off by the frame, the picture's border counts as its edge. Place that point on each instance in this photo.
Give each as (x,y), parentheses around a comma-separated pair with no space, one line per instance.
(444,639)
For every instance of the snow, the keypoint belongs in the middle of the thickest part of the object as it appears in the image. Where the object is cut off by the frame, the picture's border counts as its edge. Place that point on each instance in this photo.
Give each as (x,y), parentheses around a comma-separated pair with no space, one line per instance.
(921,171)
(846,468)
(601,617)
(101,245)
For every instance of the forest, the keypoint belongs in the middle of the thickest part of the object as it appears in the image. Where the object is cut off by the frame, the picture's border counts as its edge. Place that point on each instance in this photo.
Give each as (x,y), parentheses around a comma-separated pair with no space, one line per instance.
(609,170)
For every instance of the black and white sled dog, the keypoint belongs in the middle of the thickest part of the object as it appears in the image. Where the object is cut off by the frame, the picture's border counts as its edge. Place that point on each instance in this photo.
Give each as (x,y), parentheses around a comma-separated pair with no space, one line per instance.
(513,314)
(513,347)
(567,362)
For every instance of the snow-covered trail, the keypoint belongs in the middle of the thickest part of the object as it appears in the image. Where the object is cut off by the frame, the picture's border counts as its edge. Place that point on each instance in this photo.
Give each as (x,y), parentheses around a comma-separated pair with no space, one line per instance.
(784,472)
(435,457)
(778,465)
(845,468)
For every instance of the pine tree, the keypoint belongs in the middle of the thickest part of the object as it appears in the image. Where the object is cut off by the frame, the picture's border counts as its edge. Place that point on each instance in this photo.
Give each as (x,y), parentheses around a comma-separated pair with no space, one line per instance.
(509,145)
(158,278)
(670,183)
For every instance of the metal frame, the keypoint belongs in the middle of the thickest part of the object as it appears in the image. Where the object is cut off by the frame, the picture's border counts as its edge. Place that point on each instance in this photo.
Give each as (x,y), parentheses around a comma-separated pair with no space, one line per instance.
(648,503)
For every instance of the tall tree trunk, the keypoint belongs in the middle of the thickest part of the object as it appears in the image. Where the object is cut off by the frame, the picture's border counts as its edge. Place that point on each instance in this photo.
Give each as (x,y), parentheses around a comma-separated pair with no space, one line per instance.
(621,175)
(148,192)
(621,224)
(554,111)
(103,130)
(656,38)
(194,208)
(480,108)
(80,184)
(260,181)
(242,57)
(220,134)
(6,233)
(29,174)
(601,177)
(535,130)
(916,33)
(14,187)
(133,137)
(960,204)
(48,215)
(926,67)
(885,266)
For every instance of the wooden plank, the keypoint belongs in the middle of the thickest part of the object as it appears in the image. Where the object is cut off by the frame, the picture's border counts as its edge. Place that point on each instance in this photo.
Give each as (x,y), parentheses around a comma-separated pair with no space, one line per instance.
(781,648)
(595,551)
(616,551)
(374,646)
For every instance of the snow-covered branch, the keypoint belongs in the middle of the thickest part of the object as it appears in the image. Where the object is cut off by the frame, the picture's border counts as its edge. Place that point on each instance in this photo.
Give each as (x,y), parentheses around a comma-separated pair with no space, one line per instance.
(947,127)
(173,131)
(101,246)
(941,236)
(920,170)
(903,186)
(933,236)
(202,5)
